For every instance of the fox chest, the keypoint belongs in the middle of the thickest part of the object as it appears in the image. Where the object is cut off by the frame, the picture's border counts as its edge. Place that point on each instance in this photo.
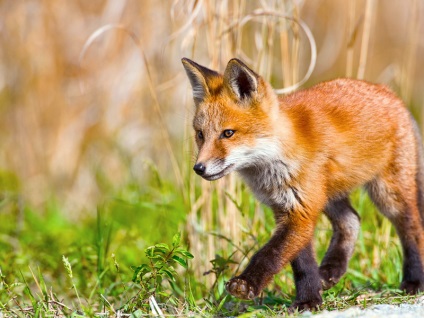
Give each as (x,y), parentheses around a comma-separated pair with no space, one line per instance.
(272,184)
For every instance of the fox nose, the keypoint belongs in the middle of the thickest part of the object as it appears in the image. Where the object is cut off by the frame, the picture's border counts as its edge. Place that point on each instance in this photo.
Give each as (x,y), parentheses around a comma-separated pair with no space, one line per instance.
(199,168)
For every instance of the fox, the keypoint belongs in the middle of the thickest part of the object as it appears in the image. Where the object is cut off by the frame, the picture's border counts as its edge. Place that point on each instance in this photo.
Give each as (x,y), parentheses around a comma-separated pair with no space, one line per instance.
(302,154)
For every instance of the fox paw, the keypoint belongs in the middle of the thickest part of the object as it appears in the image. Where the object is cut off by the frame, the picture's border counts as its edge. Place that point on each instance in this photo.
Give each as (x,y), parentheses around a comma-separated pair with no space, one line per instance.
(412,287)
(310,305)
(330,275)
(240,288)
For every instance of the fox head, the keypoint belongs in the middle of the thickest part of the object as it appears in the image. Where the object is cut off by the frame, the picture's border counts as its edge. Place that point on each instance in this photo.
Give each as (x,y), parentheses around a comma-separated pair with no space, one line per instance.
(233,118)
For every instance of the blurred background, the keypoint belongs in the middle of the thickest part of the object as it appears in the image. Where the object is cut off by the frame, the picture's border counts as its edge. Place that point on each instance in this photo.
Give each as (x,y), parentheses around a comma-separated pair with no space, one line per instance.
(75,109)
(95,106)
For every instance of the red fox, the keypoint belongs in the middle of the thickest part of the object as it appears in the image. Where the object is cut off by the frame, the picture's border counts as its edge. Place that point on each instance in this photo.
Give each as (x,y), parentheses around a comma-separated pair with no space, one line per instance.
(303,153)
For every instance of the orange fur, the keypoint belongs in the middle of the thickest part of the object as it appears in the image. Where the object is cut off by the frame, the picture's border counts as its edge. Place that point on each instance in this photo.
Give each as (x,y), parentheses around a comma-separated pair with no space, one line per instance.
(304,153)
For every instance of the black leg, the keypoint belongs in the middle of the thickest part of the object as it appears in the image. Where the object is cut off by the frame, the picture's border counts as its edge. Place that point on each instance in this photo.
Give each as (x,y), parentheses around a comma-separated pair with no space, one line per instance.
(290,238)
(345,223)
(403,212)
(307,281)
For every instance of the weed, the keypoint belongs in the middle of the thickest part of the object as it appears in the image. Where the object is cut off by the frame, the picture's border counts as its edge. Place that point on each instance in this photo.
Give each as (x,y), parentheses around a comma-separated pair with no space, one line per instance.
(162,259)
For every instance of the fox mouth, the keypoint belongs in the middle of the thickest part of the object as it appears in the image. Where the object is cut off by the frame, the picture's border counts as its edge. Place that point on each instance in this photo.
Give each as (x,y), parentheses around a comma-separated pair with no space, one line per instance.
(220,174)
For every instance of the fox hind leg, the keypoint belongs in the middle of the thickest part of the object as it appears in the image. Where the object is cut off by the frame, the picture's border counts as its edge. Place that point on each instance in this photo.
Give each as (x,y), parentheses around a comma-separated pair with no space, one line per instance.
(345,223)
(397,200)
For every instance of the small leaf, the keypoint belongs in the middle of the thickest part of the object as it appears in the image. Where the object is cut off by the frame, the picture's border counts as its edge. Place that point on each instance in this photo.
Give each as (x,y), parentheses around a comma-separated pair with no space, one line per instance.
(184,253)
(150,251)
(159,264)
(162,247)
(168,273)
(139,271)
(158,257)
(180,260)
(176,240)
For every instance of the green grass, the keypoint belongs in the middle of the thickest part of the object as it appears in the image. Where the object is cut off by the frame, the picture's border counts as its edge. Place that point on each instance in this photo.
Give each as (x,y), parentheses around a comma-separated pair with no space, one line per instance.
(52,263)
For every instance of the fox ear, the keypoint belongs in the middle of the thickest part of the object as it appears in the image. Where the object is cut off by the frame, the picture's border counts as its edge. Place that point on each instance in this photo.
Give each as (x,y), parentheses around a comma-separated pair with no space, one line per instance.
(241,79)
(198,76)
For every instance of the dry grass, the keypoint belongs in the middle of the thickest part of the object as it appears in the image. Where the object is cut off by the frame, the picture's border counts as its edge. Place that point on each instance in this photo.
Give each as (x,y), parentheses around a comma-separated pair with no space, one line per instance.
(68,101)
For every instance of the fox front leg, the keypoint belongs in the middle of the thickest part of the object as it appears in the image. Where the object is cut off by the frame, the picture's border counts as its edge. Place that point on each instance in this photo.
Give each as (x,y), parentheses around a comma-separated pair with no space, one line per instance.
(293,234)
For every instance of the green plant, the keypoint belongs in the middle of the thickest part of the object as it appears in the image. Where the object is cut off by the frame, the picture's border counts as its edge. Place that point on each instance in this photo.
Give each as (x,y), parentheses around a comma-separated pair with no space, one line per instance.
(162,260)
(68,268)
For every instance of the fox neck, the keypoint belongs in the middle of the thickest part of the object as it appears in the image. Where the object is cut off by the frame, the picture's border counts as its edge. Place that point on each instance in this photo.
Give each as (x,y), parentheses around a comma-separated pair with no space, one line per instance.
(272,174)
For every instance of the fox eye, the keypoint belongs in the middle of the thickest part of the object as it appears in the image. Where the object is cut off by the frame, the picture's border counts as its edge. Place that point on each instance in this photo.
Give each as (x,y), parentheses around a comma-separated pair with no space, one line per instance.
(199,134)
(227,133)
